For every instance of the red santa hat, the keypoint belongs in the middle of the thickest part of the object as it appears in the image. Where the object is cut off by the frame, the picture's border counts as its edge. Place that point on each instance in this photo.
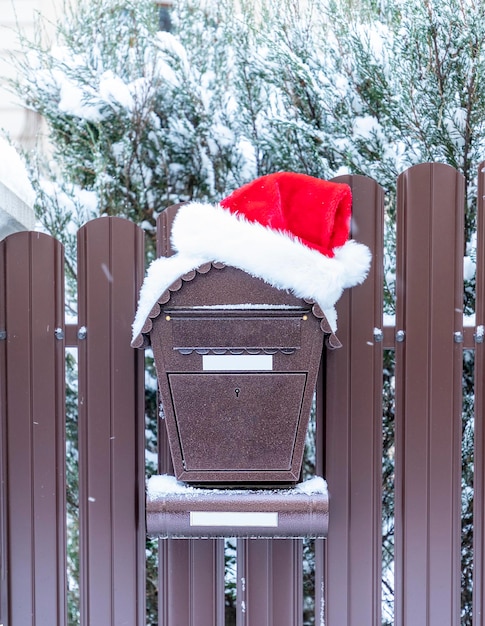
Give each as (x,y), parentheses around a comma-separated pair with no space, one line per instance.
(314,211)
(291,230)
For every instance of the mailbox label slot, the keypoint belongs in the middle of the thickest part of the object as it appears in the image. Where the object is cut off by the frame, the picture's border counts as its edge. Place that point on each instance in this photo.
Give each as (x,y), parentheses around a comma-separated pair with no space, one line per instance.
(237,362)
(234,518)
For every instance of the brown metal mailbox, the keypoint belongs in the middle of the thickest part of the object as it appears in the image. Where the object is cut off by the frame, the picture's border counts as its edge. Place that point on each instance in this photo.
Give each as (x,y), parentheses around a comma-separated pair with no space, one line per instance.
(237,362)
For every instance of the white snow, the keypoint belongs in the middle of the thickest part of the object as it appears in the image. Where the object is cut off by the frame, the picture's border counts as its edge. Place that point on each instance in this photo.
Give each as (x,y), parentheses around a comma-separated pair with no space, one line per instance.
(81,204)
(469,268)
(343,170)
(88,101)
(79,102)
(161,485)
(13,174)
(365,127)
(63,54)
(140,90)
(246,306)
(247,153)
(389,319)
(166,72)
(112,88)
(313,485)
(171,44)
(455,122)
(377,35)
(16,193)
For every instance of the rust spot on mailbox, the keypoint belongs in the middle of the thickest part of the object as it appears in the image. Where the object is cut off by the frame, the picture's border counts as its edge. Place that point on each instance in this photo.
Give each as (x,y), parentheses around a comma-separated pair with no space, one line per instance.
(237,362)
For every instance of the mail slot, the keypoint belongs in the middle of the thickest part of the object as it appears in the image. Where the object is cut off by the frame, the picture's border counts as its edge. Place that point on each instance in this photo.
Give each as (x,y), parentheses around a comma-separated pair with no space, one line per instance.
(237,362)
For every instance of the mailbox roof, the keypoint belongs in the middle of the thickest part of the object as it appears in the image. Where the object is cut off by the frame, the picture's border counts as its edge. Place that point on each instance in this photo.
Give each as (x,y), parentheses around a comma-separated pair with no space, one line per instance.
(242,287)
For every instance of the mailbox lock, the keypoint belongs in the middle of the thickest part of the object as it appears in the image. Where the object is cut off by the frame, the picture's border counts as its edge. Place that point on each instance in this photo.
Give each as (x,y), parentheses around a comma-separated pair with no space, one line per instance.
(236,391)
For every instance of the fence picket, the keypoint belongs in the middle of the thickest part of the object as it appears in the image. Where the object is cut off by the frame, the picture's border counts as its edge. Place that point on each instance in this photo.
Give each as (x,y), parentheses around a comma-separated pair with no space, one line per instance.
(269,574)
(33,562)
(353,417)
(111,426)
(479,470)
(428,395)
(190,592)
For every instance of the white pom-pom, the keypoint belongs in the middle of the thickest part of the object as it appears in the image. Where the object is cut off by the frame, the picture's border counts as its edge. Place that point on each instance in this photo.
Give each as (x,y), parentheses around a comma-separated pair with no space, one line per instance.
(356,259)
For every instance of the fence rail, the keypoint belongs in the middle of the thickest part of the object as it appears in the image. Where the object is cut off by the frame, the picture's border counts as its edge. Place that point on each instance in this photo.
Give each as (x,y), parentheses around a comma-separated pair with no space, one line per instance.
(428,339)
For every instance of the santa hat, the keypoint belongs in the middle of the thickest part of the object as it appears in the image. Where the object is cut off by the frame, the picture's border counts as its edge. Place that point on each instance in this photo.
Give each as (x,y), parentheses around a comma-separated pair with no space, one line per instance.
(291,230)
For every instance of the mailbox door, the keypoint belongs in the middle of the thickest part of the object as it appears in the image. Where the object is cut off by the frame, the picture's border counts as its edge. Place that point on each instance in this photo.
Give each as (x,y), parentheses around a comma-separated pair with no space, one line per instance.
(246,422)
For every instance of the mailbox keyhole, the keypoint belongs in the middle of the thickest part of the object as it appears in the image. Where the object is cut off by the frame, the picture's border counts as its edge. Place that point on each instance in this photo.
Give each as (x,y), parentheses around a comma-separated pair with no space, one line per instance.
(236,391)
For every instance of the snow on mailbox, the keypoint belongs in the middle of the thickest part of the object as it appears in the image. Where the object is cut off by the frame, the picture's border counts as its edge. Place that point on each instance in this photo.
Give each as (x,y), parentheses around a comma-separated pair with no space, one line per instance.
(237,319)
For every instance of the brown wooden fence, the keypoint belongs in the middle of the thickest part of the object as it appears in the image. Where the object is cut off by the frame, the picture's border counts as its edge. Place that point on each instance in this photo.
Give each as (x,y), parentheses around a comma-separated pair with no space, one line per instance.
(428,338)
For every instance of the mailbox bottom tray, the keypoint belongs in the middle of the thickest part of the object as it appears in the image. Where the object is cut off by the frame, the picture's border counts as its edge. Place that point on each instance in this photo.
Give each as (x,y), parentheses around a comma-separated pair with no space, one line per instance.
(176,510)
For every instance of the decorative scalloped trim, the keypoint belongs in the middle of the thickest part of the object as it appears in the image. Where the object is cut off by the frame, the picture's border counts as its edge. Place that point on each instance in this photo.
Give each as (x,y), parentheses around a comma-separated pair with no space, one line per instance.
(331,340)
(142,340)
(204,351)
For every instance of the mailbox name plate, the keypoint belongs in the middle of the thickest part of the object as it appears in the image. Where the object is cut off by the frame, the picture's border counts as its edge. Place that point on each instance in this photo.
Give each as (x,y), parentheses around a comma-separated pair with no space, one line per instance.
(237,362)
(234,518)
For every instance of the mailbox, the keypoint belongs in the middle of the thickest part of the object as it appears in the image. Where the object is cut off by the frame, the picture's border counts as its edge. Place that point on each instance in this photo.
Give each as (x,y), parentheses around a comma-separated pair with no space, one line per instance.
(238,319)
(237,362)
